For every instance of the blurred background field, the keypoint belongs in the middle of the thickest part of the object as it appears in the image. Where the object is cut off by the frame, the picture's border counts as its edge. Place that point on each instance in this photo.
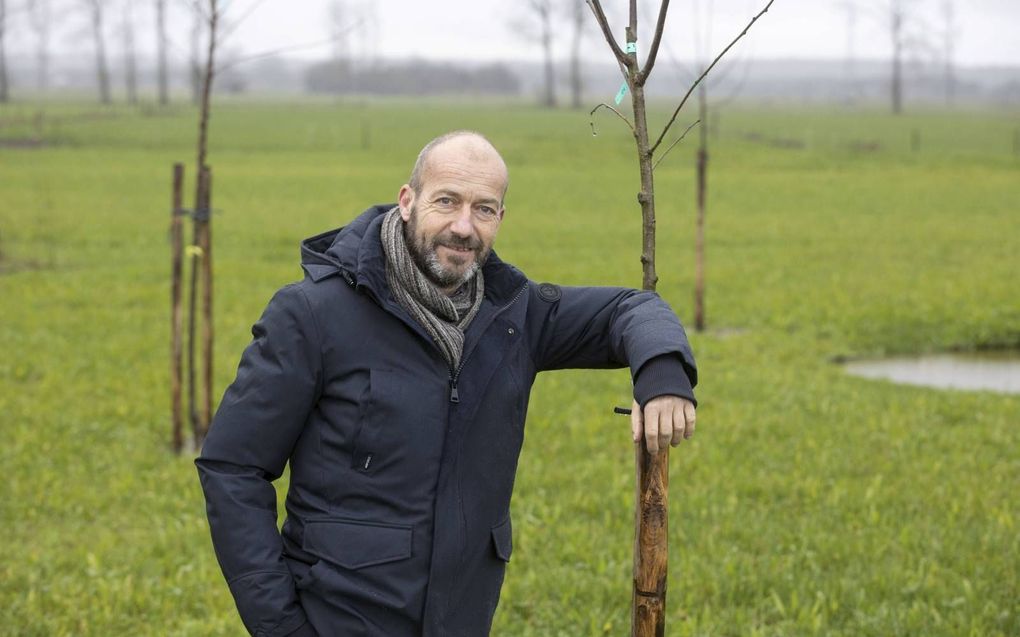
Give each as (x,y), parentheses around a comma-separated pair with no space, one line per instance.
(809,503)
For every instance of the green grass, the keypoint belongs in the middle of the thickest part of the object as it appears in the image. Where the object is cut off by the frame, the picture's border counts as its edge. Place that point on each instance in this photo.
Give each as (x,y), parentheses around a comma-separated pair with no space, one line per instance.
(809,503)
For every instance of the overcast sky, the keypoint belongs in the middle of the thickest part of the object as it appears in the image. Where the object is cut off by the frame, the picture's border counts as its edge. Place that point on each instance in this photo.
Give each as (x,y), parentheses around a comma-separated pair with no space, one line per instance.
(988,31)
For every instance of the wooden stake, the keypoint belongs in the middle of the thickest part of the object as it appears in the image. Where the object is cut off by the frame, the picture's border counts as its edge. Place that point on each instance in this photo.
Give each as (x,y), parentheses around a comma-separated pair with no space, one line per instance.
(205,244)
(651,522)
(699,237)
(176,268)
(196,256)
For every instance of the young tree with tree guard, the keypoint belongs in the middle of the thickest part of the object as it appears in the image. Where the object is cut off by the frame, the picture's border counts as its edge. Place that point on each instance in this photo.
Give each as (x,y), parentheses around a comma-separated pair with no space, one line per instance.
(651,513)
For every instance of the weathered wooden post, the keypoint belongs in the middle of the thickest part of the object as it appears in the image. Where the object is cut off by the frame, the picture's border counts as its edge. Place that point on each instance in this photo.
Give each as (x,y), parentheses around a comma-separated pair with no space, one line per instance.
(194,253)
(699,237)
(176,346)
(205,244)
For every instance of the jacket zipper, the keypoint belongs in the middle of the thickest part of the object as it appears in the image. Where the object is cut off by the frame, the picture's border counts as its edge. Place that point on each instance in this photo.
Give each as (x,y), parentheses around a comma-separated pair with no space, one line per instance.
(455,374)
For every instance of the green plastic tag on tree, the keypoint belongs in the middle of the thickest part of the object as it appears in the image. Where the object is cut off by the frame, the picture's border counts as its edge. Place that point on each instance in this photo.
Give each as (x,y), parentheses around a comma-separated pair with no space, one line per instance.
(621,93)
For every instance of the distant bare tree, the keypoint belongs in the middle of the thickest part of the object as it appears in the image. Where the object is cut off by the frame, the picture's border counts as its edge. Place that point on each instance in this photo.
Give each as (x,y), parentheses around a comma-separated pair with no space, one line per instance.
(949,35)
(198,26)
(339,16)
(908,33)
(161,47)
(896,17)
(339,13)
(850,62)
(130,66)
(40,19)
(102,72)
(3,56)
(541,12)
(578,11)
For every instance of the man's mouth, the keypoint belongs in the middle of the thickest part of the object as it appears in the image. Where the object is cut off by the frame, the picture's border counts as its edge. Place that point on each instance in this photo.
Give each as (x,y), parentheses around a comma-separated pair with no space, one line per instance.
(459,249)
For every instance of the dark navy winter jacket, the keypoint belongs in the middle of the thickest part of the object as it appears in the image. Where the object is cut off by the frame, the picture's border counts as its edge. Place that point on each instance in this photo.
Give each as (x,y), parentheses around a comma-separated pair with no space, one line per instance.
(398,519)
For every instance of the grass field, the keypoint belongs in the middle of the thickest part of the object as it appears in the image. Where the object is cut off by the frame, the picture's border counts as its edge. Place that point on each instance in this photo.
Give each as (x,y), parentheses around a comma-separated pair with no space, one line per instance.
(809,503)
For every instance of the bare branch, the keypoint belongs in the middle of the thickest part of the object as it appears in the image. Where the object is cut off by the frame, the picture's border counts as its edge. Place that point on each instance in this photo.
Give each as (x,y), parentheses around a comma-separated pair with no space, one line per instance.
(705,72)
(600,17)
(287,49)
(675,142)
(196,6)
(618,114)
(226,33)
(656,39)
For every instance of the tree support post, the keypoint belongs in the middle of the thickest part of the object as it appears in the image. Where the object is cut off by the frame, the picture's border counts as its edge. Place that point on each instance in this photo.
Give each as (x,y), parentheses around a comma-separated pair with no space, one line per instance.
(176,317)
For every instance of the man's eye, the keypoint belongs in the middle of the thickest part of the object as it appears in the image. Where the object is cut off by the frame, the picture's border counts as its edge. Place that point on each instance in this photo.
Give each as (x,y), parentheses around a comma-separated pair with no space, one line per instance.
(445,201)
(487,211)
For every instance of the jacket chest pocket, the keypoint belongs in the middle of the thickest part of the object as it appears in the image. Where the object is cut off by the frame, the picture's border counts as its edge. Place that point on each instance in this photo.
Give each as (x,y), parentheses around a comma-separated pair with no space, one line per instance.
(400,425)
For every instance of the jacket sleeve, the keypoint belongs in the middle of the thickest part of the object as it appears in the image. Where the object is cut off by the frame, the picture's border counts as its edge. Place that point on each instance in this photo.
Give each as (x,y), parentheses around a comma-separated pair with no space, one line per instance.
(602,327)
(253,434)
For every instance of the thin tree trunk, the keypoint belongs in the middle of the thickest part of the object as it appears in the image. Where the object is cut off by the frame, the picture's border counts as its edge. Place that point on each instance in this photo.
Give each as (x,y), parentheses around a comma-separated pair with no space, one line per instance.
(130,68)
(949,45)
(699,238)
(897,59)
(176,350)
(210,69)
(576,82)
(549,98)
(207,300)
(195,65)
(651,518)
(161,70)
(3,54)
(202,234)
(42,53)
(102,74)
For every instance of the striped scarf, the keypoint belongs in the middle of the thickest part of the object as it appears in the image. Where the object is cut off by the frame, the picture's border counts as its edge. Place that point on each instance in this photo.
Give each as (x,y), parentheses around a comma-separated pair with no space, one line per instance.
(444,321)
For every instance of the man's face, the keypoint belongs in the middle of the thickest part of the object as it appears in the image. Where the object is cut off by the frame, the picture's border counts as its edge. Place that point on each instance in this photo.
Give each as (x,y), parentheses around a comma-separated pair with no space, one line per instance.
(452,223)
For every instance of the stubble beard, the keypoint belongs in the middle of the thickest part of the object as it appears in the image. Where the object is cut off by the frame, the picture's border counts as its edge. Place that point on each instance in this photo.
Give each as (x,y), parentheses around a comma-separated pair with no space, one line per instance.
(426,258)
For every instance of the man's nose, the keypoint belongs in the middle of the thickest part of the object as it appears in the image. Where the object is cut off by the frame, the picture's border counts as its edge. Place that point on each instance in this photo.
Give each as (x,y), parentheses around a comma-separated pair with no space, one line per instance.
(463,223)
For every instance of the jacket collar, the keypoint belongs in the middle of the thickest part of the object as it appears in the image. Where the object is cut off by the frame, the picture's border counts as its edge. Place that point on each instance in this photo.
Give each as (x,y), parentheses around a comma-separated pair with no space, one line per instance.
(355,252)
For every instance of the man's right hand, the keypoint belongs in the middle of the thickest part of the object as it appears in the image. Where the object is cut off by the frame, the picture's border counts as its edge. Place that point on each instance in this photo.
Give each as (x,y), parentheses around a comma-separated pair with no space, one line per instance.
(665,420)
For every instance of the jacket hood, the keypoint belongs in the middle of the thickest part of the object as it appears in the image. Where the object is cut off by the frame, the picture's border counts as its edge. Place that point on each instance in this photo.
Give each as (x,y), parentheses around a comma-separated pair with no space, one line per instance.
(355,252)
(337,251)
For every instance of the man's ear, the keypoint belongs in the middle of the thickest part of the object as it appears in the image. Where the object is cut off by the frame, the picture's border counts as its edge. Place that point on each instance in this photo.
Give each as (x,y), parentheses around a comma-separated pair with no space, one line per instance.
(406,201)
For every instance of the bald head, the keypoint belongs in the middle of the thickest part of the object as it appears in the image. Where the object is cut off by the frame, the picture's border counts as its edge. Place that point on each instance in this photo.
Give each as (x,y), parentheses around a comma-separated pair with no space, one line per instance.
(461,146)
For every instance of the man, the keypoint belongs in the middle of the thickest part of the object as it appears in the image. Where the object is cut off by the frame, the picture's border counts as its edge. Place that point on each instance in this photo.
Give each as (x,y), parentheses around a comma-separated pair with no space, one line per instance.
(395,379)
